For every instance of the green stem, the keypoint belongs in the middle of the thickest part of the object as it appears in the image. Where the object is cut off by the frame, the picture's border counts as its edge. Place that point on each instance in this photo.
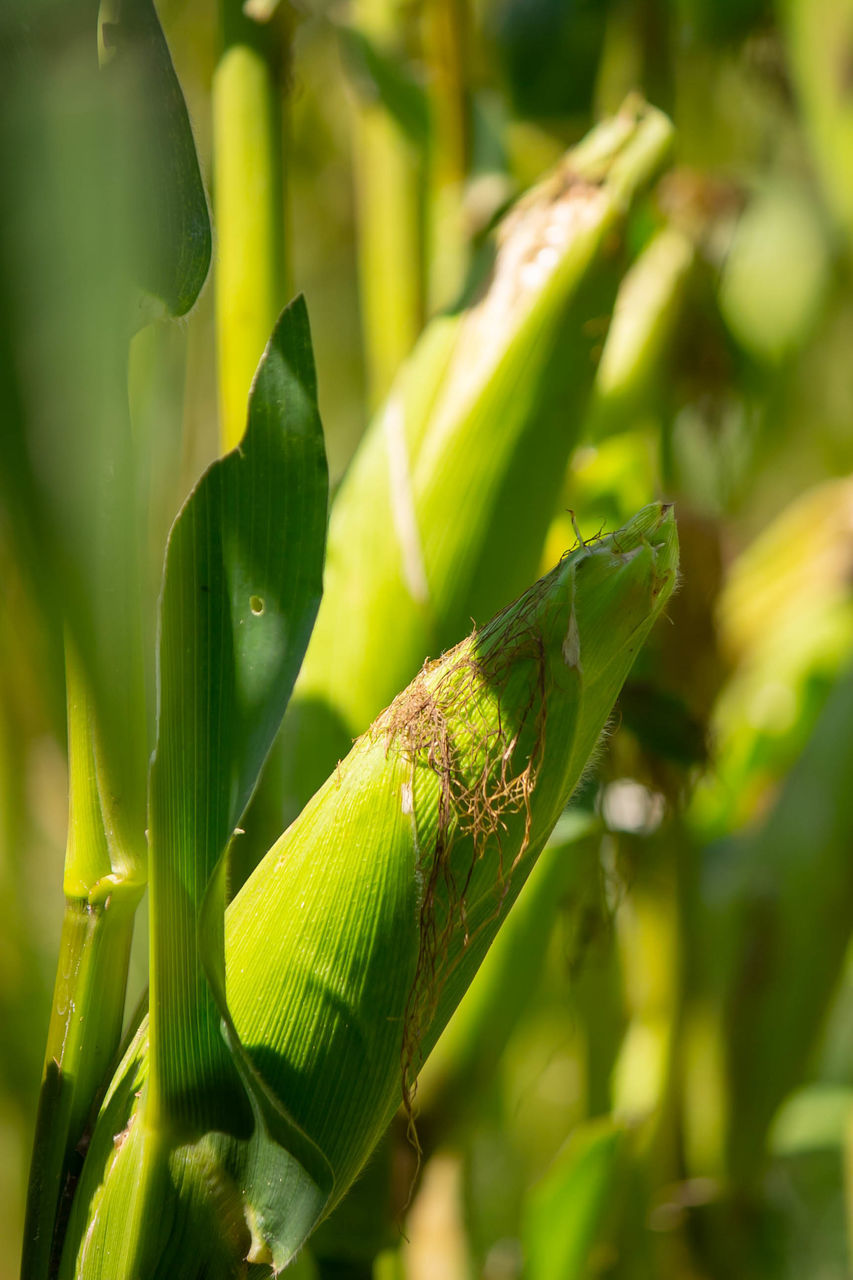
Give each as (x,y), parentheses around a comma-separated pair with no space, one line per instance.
(85,1029)
(91,979)
(248,203)
(192,1081)
(655,35)
(445,41)
(388,176)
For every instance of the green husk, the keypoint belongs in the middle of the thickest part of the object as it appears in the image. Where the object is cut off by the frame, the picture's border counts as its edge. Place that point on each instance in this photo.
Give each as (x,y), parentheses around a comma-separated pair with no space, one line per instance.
(352,943)
(477,759)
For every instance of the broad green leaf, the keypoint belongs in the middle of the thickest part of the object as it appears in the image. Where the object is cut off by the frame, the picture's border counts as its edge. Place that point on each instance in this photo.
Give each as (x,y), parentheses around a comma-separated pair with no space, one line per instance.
(791,882)
(241,589)
(68,490)
(108,183)
(173,241)
(67,457)
(76,226)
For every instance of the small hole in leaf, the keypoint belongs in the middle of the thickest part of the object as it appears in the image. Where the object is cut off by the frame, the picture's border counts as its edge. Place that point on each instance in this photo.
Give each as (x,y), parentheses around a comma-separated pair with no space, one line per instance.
(256,604)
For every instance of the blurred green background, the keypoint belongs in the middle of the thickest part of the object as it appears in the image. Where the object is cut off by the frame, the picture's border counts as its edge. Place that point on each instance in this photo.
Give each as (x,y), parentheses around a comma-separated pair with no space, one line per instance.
(653,1075)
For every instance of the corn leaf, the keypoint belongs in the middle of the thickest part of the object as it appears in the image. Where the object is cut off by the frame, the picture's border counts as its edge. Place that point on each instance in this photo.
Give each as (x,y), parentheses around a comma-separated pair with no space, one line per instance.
(793,882)
(76,235)
(67,464)
(241,589)
(67,475)
(173,247)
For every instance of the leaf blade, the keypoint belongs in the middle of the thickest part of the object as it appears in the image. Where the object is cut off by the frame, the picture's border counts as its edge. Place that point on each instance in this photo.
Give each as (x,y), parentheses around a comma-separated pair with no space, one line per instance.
(241,589)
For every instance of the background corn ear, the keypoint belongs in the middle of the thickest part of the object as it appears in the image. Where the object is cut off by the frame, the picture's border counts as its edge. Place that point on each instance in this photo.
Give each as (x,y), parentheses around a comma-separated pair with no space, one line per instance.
(481,419)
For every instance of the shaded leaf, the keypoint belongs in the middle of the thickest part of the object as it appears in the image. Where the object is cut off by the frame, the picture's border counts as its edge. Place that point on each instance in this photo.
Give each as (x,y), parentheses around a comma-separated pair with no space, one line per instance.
(173,249)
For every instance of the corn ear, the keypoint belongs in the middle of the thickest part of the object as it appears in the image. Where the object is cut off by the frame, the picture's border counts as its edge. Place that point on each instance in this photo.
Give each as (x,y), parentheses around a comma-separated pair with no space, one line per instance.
(351,944)
(482,420)
(446,802)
